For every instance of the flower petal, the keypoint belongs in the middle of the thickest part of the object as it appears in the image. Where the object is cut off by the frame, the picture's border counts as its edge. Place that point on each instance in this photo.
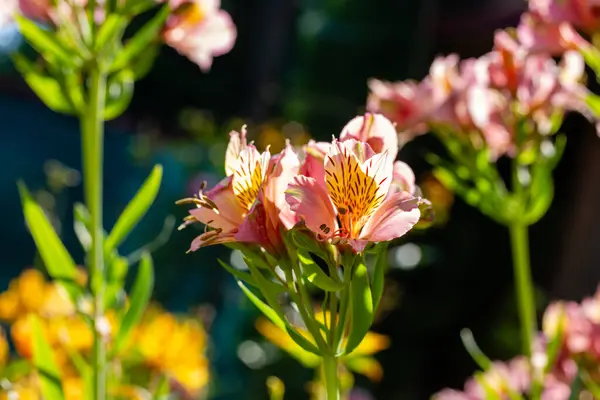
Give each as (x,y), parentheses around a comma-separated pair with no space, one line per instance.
(237,142)
(228,213)
(403,177)
(310,201)
(396,216)
(284,167)
(376,130)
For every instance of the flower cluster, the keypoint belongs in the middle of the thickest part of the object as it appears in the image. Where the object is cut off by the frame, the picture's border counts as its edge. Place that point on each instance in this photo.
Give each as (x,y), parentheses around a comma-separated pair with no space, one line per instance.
(508,380)
(161,345)
(568,348)
(349,192)
(506,100)
(553,26)
(197,29)
(200,30)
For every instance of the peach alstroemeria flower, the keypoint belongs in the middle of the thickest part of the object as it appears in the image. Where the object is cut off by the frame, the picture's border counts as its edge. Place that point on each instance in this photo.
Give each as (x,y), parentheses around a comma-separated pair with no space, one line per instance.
(353,206)
(200,30)
(224,208)
(249,205)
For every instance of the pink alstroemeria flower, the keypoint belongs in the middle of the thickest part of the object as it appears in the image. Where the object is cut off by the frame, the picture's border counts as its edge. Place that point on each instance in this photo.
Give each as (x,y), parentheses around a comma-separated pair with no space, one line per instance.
(353,207)
(249,205)
(374,129)
(39,10)
(583,14)
(200,30)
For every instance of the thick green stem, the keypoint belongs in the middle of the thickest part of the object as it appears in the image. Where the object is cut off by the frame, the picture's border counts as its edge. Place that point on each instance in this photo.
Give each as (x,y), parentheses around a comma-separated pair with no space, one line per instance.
(519,241)
(330,377)
(524,286)
(92,129)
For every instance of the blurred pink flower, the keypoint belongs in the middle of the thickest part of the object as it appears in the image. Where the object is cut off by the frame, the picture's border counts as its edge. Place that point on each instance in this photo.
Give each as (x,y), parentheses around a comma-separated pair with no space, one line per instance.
(504,380)
(410,104)
(353,206)
(200,30)
(39,10)
(583,14)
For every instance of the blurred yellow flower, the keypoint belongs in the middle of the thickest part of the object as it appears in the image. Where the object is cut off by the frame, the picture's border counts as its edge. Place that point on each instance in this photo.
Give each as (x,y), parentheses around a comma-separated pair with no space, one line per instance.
(173,347)
(31,293)
(441,198)
(359,361)
(4,349)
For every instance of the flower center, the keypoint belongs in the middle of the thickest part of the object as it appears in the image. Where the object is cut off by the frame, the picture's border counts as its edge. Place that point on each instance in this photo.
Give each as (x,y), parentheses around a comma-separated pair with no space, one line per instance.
(247,179)
(354,192)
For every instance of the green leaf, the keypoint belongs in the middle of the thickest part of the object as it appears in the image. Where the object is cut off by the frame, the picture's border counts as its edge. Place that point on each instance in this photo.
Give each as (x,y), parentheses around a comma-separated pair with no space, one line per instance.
(46,42)
(316,275)
(57,259)
(140,296)
(112,29)
(377,285)
(239,275)
(145,61)
(141,40)
(44,86)
(361,305)
(44,362)
(474,351)
(136,209)
(119,94)
(592,58)
(593,103)
(308,243)
(81,223)
(279,320)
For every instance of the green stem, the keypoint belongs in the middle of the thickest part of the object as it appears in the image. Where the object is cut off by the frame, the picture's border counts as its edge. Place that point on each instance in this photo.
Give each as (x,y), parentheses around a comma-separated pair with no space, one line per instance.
(519,240)
(330,376)
(92,127)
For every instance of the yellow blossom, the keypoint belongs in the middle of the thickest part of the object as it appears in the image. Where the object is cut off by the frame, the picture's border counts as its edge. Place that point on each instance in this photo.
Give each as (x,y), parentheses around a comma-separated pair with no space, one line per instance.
(173,347)
(359,361)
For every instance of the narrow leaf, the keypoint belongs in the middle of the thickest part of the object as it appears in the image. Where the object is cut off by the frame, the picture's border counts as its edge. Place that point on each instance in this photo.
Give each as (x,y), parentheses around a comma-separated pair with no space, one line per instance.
(119,94)
(46,42)
(377,285)
(362,307)
(136,209)
(278,320)
(474,351)
(44,362)
(140,296)
(44,86)
(316,275)
(57,259)
(112,29)
(141,40)
(239,275)
(81,223)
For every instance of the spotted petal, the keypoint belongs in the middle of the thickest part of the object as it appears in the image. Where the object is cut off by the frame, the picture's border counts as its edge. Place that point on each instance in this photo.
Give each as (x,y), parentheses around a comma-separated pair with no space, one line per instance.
(309,200)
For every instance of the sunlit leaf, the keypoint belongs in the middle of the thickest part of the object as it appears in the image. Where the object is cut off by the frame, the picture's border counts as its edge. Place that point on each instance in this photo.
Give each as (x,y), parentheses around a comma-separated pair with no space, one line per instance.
(239,275)
(361,306)
(119,93)
(46,42)
(279,320)
(45,364)
(378,282)
(141,40)
(139,298)
(316,275)
(136,209)
(47,88)
(57,259)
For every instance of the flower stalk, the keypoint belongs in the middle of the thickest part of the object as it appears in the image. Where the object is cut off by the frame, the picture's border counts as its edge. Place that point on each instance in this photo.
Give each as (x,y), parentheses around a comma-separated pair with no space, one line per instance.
(92,129)
(330,376)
